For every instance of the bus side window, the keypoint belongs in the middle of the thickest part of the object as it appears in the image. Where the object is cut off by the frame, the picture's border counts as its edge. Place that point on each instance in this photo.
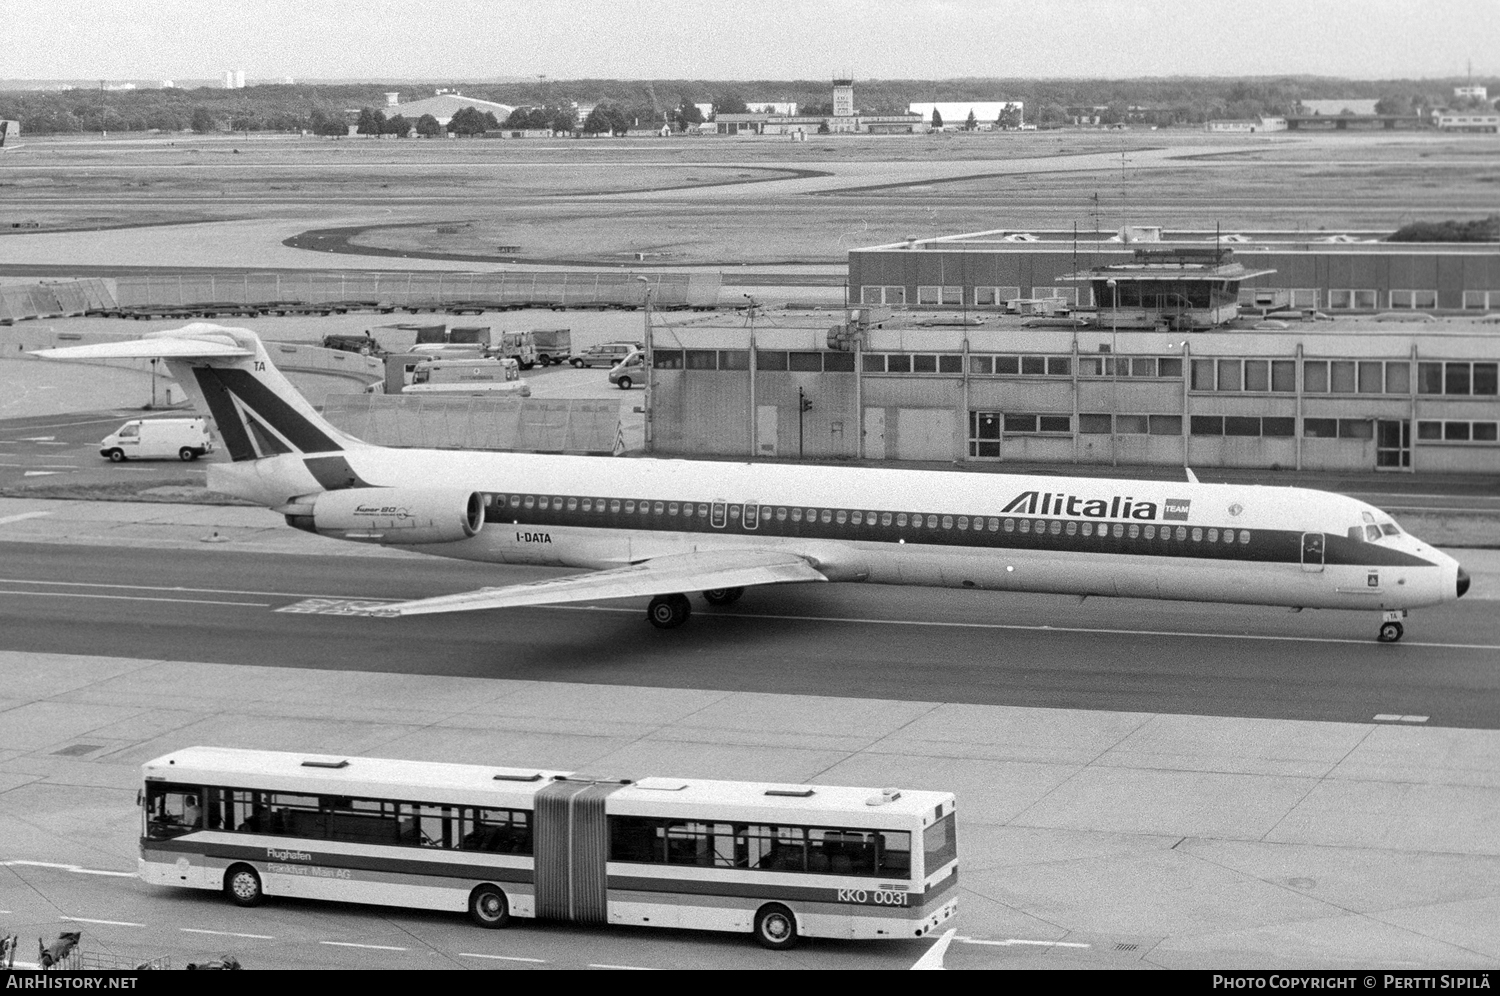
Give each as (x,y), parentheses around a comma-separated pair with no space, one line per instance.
(895,853)
(635,838)
(432,826)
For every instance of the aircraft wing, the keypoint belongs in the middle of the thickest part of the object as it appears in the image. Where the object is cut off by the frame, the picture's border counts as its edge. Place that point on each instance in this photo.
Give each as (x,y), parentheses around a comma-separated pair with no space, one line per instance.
(701,571)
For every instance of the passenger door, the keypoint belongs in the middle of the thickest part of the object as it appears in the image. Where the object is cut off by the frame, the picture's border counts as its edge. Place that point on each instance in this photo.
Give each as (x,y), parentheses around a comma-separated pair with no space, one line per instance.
(1312,552)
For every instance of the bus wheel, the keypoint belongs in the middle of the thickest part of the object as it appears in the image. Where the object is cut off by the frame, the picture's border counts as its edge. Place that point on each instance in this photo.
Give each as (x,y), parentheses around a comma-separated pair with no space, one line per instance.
(775,927)
(243,886)
(488,908)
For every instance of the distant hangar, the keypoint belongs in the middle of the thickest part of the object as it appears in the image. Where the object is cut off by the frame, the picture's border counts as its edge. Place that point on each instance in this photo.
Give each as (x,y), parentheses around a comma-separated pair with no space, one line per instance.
(442,107)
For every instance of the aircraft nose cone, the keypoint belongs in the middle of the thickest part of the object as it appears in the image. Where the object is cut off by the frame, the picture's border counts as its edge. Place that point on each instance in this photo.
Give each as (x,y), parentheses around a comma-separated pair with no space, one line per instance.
(1463,582)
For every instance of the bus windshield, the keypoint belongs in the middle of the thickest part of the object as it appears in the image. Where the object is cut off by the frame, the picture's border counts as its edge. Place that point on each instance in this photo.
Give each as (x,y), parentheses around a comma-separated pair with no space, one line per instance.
(940,844)
(171,810)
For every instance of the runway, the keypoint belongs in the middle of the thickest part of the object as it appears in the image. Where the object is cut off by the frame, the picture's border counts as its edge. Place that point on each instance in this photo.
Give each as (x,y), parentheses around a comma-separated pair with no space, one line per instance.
(978,648)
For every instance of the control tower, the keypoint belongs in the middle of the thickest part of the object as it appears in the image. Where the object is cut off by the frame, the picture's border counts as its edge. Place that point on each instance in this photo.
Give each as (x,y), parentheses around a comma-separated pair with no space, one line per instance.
(843,98)
(1179,288)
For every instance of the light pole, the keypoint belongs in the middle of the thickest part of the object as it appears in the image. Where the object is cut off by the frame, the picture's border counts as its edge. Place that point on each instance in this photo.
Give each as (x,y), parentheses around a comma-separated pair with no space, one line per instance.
(650,368)
(754,412)
(1114,366)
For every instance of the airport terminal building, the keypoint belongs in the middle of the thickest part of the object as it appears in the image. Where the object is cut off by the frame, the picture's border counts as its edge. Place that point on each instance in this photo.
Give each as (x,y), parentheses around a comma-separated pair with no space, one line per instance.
(1335,272)
(1344,395)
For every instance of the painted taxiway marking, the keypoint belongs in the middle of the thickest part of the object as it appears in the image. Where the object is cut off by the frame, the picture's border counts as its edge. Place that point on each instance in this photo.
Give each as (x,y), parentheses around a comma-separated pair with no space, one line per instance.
(226,933)
(41,473)
(137,598)
(1014,941)
(1390,717)
(175,589)
(107,923)
(371,947)
(22,517)
(35,439)
(624,968)
(75,869)
(335,607)
(475,954)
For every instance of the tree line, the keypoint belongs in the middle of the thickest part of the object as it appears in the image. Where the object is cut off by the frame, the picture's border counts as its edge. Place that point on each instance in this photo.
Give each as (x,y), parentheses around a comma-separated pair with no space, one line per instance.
(547,104)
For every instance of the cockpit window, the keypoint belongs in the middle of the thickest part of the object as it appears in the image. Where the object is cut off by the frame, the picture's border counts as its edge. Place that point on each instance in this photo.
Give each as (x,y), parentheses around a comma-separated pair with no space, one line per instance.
(1372,533)
(1367,516)
(1390,529)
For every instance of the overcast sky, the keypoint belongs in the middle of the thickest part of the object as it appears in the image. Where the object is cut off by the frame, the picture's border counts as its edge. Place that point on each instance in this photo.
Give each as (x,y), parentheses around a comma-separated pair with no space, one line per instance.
(736,39)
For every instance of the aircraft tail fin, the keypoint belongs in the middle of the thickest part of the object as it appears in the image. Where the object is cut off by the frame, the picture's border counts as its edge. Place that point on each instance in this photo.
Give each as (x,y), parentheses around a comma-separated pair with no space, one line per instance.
(230,377)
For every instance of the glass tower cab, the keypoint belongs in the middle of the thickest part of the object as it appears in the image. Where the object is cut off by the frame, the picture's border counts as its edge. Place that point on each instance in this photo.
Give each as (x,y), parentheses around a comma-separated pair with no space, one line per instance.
(1178,288)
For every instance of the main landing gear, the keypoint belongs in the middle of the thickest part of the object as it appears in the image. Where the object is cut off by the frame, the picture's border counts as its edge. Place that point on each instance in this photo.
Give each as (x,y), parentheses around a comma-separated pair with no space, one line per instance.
(1390,626)
(723,596)
(671,611)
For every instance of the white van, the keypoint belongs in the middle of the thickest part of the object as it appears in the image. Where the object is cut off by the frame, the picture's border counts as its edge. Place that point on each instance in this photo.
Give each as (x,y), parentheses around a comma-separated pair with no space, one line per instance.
(158,439)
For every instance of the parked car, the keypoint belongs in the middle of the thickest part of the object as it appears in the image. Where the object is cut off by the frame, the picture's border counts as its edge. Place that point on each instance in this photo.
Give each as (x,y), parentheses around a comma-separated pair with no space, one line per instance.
(629,371)
(159,439)
(606,354)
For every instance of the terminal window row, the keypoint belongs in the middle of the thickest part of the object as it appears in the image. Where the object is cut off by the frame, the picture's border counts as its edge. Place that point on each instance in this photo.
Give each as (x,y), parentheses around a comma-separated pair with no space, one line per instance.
(1456,431)
(1345,376)
(1337,299)
(952,295)
(986,428)
(1451,377)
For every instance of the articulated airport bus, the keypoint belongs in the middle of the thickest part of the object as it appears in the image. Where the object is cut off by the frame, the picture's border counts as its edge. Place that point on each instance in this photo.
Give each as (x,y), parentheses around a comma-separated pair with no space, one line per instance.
(778,861)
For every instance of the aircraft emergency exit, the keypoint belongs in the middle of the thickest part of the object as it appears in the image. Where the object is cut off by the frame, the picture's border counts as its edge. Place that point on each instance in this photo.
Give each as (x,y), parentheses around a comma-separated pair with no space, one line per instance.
(660,528)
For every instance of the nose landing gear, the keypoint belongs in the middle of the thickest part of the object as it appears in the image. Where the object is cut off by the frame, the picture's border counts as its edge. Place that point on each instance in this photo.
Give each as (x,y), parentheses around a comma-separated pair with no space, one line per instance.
(1390,626)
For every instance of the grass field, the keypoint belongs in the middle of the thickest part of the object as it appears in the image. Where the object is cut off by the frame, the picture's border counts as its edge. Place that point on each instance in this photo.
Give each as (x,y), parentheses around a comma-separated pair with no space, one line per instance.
(724,201)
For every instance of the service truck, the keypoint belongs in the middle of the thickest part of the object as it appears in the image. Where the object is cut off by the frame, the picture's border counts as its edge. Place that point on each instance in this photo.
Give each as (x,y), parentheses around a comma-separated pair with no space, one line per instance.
(158,439)
(553,346)
(481,375)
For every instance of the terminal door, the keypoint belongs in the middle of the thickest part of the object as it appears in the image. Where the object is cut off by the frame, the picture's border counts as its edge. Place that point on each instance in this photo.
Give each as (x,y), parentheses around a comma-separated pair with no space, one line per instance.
(1392,444)
(572,846)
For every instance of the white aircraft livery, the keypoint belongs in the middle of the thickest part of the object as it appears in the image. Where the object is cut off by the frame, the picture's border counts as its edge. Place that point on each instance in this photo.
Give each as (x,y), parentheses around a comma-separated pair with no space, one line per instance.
(659,528)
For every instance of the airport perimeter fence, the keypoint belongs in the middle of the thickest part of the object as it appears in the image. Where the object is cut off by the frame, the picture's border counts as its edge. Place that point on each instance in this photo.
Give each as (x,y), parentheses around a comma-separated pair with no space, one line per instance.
(529,425)
(359,290)
(54,299)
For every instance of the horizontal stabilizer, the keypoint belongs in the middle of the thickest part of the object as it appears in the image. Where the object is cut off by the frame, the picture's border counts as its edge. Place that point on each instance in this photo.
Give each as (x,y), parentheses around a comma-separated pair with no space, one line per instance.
(167,349)
(701,571)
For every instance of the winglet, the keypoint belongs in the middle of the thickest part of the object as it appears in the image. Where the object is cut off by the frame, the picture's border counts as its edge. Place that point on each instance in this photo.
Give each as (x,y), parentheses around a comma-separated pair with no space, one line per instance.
(1192,477)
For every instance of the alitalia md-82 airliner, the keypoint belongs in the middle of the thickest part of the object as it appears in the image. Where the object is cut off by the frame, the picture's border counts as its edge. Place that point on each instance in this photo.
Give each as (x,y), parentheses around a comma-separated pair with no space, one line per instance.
(660,528)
